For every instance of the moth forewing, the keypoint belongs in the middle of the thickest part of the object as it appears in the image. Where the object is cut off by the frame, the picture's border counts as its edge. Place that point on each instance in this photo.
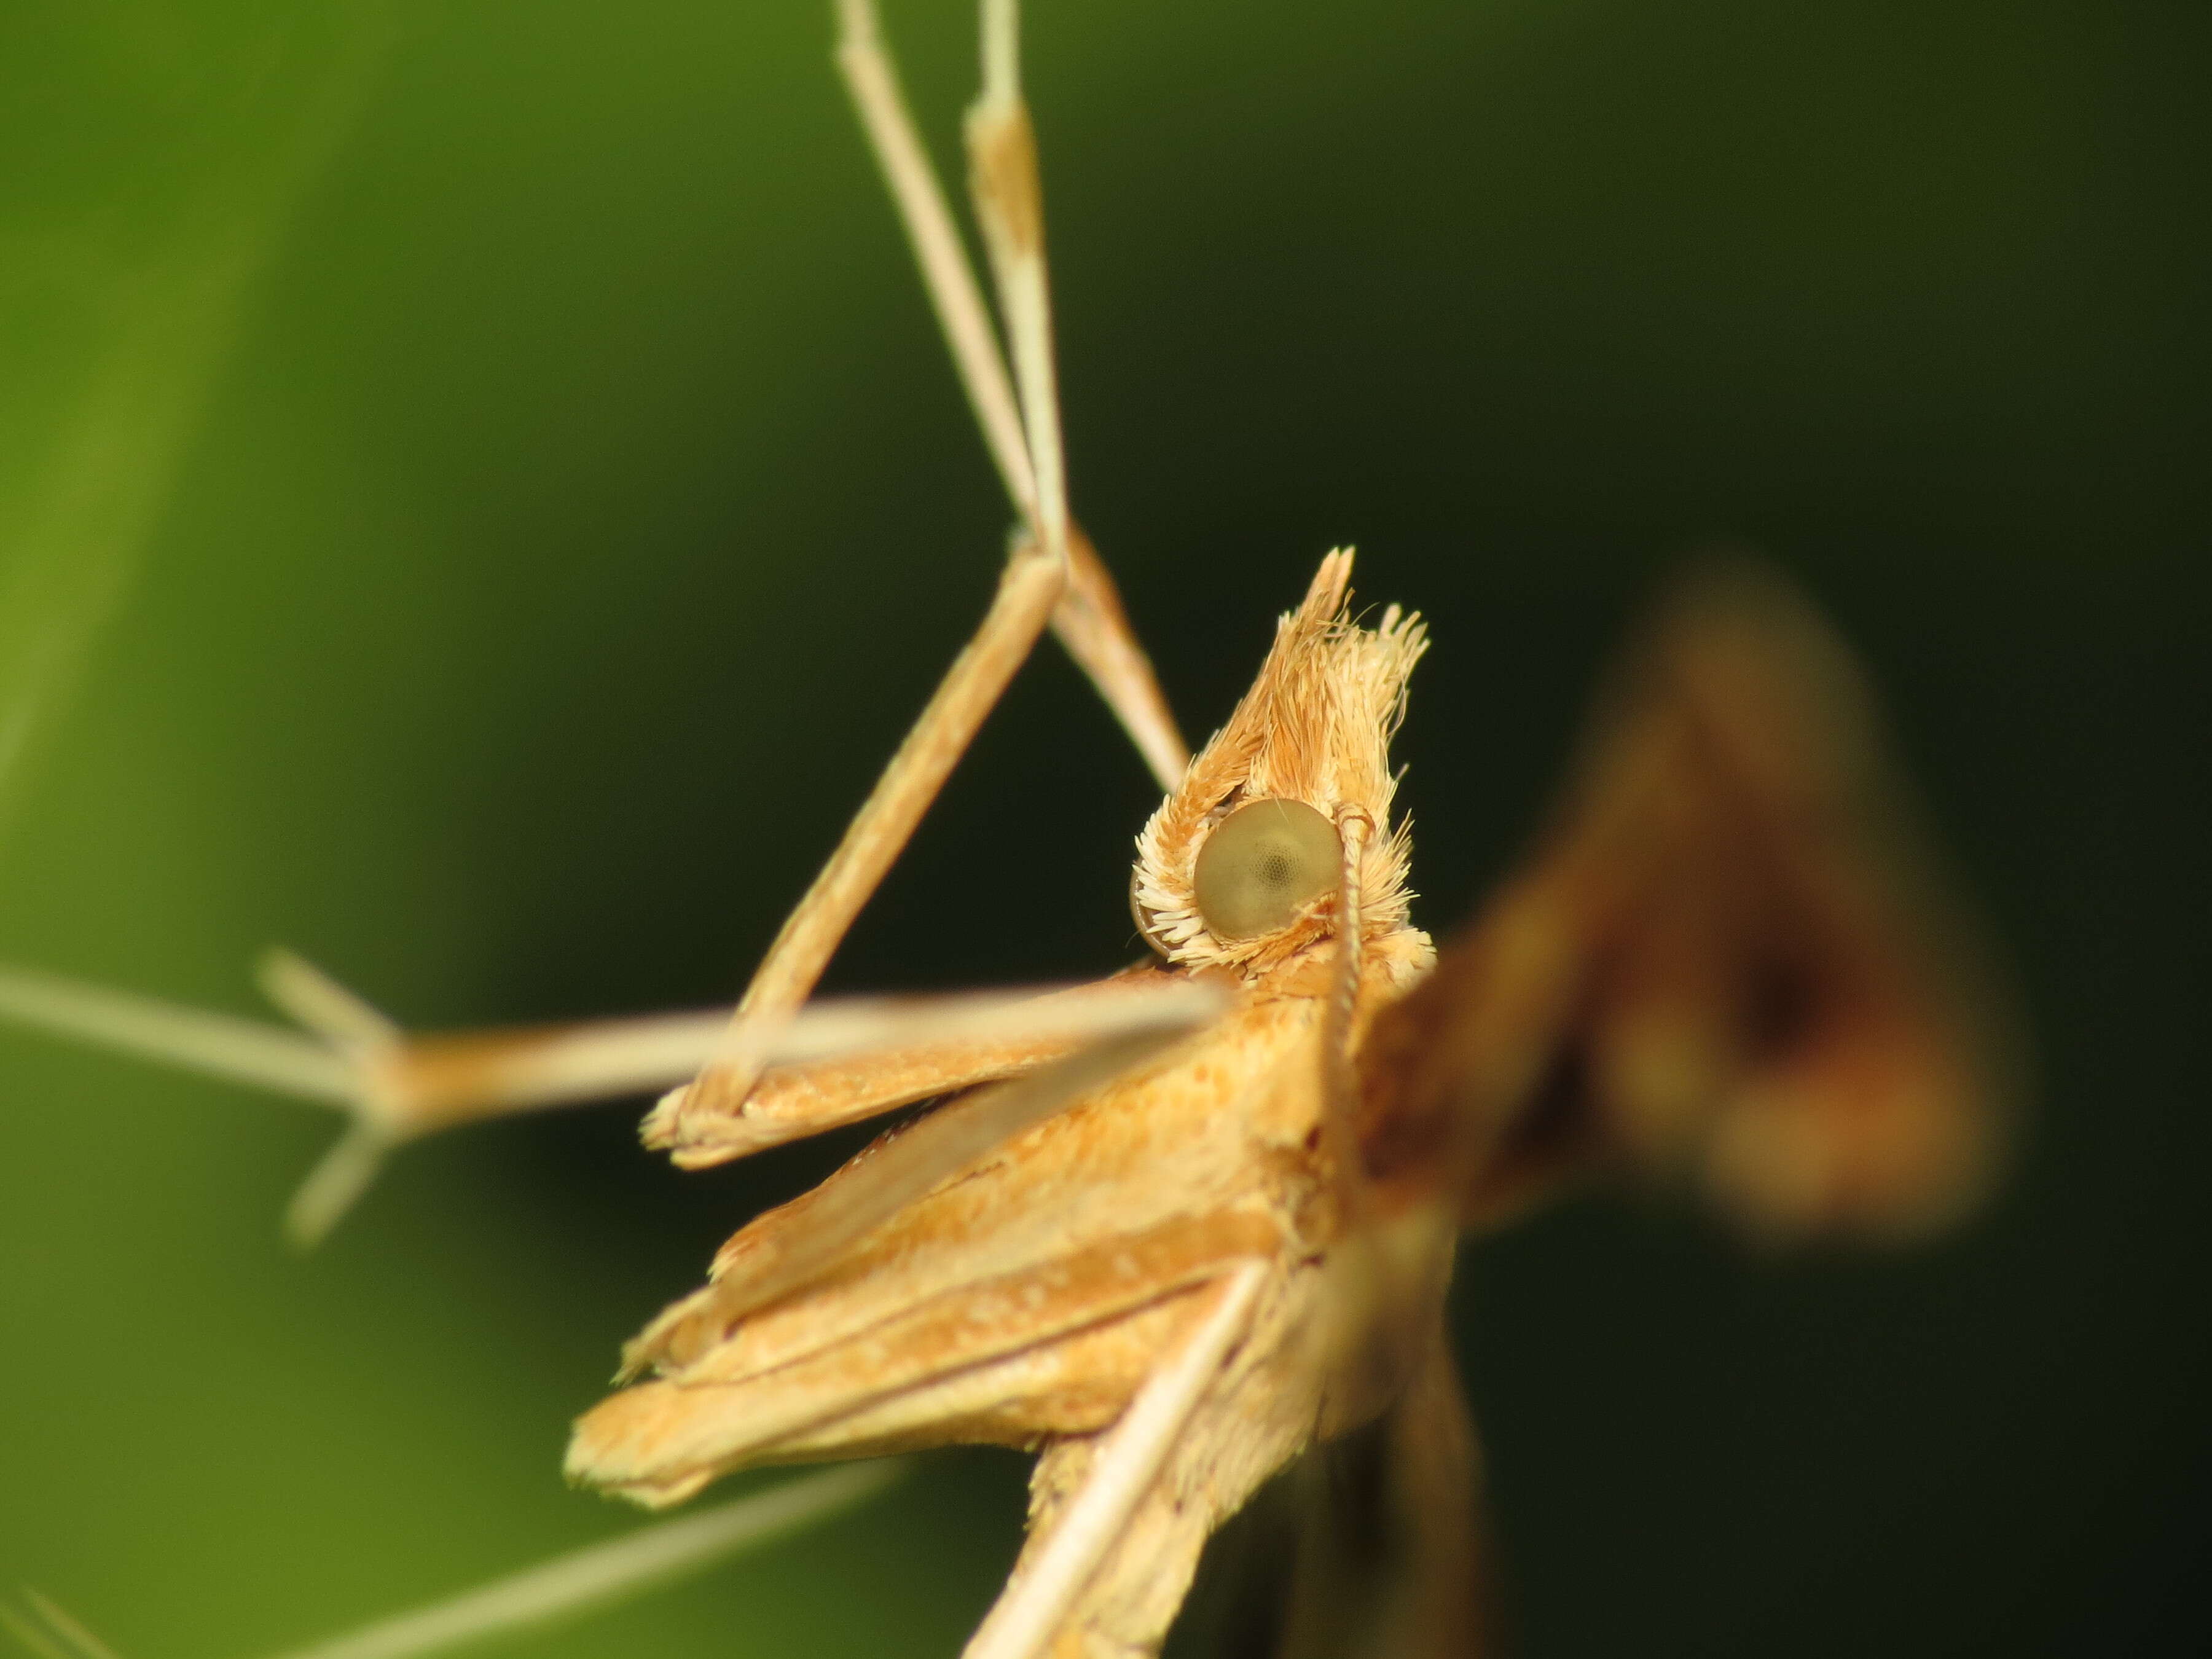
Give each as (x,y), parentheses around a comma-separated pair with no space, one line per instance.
(1055,1245)
(1724,961)
(790,1101)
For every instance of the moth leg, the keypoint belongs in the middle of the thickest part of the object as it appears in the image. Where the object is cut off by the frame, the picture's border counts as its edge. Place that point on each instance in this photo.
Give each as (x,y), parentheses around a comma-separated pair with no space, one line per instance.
(600,1575)
(1119,1472)
(1096,629)
(1089,618)
(872,78)
(1390,1557)
(795,1100)
(1450,1607)
(1031,585)
(1008,197)
(1009,205)
(904,1167)
(395,1087)
(549,1592)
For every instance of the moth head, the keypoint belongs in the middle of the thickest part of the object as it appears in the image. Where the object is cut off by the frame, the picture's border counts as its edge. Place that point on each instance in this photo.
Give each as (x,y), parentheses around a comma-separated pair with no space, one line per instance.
(1239,868)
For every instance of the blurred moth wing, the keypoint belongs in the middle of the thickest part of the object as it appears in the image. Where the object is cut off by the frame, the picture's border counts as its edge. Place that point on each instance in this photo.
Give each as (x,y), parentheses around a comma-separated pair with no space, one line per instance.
(1727,961)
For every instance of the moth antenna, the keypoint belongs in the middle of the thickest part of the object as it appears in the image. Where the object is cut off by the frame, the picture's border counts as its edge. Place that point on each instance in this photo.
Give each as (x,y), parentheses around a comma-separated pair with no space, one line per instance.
(1339,1082)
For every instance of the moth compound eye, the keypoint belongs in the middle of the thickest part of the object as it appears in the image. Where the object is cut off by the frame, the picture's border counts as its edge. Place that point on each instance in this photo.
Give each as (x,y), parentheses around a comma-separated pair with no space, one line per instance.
(1260,864)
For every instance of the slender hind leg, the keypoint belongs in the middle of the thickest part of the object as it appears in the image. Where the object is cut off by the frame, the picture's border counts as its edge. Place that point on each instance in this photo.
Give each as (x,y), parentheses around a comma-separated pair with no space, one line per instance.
(1113,1541)
(865,1054)
(1089,619)
(397,1087)
(1052,570)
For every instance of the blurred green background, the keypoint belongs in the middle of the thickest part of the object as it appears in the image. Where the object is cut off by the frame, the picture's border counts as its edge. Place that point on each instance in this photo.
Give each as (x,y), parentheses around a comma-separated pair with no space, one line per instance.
(480,493)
